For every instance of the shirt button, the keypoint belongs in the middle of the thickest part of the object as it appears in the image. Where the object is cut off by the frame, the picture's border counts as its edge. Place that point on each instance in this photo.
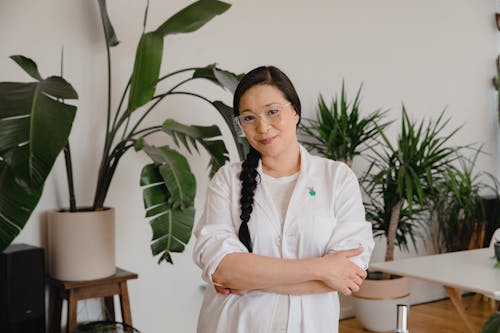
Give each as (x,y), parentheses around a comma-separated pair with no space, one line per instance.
(277,241)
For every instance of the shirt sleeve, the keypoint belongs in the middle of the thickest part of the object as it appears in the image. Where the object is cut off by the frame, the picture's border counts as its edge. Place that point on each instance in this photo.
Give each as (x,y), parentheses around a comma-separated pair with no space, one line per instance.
(216,235)
(352,229)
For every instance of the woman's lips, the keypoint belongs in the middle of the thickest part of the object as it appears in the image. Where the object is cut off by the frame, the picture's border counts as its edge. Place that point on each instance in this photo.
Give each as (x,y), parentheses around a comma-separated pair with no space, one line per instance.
(267,140)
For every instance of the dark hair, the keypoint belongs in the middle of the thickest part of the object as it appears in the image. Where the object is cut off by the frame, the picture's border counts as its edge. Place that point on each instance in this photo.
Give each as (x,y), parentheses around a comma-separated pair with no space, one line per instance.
(264,75)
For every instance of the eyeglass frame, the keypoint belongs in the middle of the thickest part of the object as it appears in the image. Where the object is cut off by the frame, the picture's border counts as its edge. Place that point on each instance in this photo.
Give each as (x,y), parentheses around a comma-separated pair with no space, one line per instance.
(261,116)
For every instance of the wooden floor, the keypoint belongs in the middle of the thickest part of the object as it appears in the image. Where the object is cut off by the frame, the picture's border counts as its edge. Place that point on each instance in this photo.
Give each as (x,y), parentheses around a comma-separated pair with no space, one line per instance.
(435,317)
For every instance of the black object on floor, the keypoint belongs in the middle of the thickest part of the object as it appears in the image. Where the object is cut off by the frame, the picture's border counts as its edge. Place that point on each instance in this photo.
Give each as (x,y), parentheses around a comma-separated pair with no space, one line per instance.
(22,289)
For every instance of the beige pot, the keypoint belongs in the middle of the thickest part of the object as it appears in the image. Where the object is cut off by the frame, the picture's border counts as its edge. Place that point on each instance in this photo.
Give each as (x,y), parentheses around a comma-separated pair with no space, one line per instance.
(376,302)
(81,244)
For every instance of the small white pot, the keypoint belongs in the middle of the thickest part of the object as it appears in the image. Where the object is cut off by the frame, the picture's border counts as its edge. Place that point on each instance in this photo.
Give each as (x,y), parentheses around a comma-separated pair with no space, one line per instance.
(376,303)
(81,244)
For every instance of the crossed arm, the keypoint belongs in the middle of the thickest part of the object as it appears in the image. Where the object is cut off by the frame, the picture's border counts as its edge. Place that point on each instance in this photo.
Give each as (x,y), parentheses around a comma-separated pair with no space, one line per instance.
(240,272)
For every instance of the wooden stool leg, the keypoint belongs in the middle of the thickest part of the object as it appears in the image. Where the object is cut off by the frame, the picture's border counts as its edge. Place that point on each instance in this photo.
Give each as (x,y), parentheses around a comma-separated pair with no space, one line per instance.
(55,308)
(72,308)
(125,304)
(109,306)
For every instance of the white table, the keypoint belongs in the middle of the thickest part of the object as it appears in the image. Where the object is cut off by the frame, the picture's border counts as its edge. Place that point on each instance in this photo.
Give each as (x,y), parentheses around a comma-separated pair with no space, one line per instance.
(471,270)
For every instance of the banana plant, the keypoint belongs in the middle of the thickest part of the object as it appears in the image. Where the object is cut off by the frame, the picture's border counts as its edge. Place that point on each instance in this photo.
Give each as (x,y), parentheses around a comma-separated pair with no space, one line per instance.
(28,113)
(35,124)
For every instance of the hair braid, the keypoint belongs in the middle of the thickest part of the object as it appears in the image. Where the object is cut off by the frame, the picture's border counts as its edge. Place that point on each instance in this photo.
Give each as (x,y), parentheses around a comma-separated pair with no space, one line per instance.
(264,75)
(249,178)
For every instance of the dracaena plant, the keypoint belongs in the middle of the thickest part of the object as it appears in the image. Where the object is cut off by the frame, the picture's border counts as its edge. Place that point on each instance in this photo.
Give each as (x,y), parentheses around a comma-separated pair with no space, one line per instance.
(35,122)
(339,131)
(402,176)
(459,207)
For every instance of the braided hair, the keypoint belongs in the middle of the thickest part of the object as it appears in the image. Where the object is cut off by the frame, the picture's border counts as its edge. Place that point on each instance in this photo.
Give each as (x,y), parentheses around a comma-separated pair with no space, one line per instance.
(249,177)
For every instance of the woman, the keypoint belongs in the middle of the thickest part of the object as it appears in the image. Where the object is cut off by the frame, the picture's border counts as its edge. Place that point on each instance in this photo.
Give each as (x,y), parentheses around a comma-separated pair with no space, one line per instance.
(282,232)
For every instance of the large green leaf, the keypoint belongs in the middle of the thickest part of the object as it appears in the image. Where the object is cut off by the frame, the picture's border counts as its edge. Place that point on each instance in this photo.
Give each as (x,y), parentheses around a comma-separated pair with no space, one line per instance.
(16,205)
(193,17)
(223,78)
(50,123)
(34,127)
(492,324)
(28,65)
(148,56)
(175,171)
(204,135)
(171,232)
(146,70)
(171,226)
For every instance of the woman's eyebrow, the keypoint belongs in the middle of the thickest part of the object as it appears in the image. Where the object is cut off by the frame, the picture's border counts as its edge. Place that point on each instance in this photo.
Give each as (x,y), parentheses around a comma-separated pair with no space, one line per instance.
(266,105)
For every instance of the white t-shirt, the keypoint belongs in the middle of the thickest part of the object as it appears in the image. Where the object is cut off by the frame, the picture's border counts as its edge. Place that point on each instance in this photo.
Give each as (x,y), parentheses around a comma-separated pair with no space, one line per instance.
(280,190)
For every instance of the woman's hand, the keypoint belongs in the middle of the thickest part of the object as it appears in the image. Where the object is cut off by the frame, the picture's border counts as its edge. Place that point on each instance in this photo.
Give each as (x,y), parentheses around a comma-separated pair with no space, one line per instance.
(339,273)
(226,291)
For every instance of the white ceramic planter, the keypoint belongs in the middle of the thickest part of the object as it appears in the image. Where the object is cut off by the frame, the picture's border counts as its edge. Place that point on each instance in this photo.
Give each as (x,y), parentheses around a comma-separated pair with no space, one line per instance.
(81,244)
(376,302)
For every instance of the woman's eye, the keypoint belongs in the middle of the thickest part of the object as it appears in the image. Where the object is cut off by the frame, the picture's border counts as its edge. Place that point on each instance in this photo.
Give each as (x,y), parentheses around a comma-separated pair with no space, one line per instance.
(248,118)
(273,112)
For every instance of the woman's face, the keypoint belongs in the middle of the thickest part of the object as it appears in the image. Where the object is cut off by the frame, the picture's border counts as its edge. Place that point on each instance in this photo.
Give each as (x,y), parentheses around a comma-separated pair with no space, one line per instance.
(271,135)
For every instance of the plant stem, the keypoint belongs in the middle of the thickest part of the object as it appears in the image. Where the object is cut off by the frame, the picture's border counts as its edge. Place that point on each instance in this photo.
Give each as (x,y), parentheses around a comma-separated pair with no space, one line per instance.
(69,174)
(393,227)
(108,137)
(159,99)
(177,72)
(115,118)
(153,129)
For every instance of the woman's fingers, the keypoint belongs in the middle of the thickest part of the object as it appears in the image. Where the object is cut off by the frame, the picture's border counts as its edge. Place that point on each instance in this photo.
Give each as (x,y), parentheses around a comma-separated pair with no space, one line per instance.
(222,290)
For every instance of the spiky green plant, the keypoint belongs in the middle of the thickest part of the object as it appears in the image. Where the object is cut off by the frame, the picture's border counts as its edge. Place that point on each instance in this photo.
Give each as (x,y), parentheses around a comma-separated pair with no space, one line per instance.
(401,177)
(492,324)
(458,205)
(340,132)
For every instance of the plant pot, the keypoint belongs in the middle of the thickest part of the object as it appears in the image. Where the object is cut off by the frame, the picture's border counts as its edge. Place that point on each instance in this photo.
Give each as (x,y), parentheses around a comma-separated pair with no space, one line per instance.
(376,302)
(81,244)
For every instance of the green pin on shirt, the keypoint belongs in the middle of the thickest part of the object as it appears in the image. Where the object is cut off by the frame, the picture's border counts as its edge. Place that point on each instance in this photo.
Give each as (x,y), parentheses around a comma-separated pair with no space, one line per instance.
(312,192)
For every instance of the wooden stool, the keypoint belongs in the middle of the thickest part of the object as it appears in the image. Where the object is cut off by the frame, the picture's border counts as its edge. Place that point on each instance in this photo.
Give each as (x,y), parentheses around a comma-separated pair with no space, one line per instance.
(74,291)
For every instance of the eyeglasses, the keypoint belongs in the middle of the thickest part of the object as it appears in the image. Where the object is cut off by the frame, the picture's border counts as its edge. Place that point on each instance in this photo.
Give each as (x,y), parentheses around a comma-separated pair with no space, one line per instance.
(271,115)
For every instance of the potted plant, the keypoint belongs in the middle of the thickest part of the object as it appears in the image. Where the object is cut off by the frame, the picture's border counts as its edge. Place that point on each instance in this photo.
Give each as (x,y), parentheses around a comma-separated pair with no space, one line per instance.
(459,207)
(492,324)
(35,122)
(340,132)
(398,182)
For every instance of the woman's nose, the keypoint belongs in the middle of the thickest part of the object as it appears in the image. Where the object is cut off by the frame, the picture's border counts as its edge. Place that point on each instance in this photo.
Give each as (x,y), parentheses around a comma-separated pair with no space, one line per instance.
(262,125)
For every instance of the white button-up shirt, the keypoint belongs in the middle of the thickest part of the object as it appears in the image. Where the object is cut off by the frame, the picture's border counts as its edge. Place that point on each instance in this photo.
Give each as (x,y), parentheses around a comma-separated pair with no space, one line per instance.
(325,214)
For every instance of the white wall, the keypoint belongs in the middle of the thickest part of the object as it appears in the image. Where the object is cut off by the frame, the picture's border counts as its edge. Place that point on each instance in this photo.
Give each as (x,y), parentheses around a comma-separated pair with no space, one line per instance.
(427,54)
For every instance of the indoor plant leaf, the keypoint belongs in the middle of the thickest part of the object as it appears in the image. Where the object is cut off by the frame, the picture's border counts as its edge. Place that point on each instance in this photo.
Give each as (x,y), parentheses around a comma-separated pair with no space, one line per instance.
(171,227)
(193,17)
(16,205)
(35,127)
(175,171)
(204,135)
(28,65)
(223,78)
(171,232)
(146,70)
(109,31)
(492,324)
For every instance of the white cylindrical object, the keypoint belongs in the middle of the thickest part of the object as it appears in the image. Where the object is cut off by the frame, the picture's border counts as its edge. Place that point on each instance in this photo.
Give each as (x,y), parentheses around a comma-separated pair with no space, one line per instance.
(81,244)
(402,319)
